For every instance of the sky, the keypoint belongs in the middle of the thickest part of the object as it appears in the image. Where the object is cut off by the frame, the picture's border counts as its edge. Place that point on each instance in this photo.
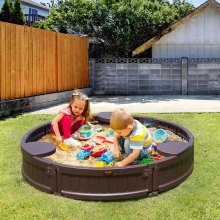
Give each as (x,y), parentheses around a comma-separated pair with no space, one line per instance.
(196,3)
(39,1)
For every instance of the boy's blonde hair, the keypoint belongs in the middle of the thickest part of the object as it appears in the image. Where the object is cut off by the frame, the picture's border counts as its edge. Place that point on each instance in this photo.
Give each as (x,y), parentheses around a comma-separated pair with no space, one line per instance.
(121,119)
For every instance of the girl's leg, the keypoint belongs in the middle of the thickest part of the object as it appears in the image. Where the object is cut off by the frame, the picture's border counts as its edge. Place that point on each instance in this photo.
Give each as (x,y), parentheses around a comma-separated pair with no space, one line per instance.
(76,126)
(64,126)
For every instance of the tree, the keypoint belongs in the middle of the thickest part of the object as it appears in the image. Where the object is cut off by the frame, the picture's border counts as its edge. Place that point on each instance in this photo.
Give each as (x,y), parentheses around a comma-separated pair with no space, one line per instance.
(40,25)
(6,11)
(118,25)
(18,14)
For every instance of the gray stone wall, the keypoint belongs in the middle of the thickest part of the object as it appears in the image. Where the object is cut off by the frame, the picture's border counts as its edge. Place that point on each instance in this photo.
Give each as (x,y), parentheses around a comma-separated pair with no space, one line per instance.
(154,76)
(36,102)
(204,76)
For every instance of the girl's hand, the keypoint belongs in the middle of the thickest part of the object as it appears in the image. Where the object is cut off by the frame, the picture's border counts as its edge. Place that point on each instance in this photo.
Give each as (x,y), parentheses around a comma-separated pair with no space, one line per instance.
(59,139)
(91,125)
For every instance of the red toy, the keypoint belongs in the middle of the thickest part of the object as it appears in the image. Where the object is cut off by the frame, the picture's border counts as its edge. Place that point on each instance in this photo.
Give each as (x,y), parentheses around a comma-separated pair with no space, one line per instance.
(157,158)
(87,147)
(100,139)
(99,152)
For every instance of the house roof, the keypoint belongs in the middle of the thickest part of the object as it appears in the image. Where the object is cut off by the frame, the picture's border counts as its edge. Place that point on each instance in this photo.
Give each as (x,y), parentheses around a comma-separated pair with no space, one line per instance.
(35,4)
(172,27)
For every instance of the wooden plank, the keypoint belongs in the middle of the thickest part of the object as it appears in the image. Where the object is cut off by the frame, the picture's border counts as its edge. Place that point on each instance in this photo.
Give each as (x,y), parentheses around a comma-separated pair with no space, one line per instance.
(37,53)
(53,62)
(30,62)
(41,63)
(47,56)
(26,62)
(69,63)
(8,63)
(17,62)
(64,73)
(58,61)
(22,60)
(45,62)
(2,60)
(77,63)
(74,60)
(85,63)
(34,60)
(13,60)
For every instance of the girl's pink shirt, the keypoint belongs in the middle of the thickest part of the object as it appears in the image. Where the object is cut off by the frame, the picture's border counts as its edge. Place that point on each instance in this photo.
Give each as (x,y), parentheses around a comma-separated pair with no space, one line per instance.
(67,111)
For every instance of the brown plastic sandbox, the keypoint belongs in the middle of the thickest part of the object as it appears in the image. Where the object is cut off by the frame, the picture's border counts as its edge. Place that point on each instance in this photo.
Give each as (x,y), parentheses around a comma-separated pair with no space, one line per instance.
(115,183)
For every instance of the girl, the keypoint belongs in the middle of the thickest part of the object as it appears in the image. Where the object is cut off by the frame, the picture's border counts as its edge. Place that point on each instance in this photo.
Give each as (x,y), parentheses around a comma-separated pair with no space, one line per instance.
(70,119)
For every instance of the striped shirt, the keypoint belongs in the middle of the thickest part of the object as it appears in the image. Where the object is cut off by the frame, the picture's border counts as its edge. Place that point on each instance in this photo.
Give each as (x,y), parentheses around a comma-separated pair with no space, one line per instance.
(139,137)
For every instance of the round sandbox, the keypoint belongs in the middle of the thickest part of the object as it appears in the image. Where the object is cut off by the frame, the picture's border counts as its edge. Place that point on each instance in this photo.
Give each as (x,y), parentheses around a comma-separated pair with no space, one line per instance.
(115,183)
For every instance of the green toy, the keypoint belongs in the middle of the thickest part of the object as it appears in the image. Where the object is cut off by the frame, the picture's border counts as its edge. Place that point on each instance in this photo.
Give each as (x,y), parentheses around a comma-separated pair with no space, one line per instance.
(147,160)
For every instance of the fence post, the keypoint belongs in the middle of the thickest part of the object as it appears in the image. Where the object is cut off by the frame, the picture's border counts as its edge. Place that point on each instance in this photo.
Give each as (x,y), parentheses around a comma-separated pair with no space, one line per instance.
(184,75)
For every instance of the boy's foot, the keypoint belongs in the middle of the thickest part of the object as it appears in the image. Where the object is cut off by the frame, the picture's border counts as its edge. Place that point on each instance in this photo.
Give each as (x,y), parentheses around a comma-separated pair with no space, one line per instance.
(71,142)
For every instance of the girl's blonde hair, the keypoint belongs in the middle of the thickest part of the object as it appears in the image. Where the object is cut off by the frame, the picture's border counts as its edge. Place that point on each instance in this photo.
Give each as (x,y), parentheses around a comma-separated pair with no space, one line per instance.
(121,119)
(79,95)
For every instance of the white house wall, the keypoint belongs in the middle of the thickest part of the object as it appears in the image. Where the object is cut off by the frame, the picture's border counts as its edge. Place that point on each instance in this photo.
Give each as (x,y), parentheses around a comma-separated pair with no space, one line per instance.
(197,37)
(41,11)
(26,6)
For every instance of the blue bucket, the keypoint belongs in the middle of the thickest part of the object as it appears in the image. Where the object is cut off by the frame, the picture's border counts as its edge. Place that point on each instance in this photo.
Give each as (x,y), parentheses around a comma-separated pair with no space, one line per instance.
(160,136)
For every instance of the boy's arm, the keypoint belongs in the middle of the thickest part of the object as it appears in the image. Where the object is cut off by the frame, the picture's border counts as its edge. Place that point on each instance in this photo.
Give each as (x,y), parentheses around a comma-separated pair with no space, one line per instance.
(117,152)
(129,159)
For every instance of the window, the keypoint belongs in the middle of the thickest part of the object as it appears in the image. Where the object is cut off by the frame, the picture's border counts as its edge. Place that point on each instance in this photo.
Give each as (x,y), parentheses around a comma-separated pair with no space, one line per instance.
(33,11)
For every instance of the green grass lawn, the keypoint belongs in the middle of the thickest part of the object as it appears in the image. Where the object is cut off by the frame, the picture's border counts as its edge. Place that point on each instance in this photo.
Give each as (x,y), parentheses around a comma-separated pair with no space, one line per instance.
(196,198)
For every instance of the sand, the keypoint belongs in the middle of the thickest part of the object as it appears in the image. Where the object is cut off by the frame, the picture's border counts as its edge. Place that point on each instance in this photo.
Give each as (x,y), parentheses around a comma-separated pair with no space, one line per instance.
(68,157)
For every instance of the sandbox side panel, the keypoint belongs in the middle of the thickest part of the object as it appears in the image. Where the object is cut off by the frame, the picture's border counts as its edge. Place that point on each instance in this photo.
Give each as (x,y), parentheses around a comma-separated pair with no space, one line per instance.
(173,170)
(40,174)
(103,184)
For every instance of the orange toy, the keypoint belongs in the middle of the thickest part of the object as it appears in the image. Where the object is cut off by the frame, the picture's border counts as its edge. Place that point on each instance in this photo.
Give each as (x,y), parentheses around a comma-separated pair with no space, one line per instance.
(63,146)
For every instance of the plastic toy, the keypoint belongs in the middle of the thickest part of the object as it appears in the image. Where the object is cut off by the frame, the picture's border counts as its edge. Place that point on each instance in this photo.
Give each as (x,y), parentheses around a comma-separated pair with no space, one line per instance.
(157,158)
(99,129)
(92,143)
(110,133)
(160,136)
(101,139)
(85,132)
(100,164)
(99,152)
(83,154)
(87,147)
(148,123)
(153,153)
(107,156)
(63,146)
(111,164)
(147,160)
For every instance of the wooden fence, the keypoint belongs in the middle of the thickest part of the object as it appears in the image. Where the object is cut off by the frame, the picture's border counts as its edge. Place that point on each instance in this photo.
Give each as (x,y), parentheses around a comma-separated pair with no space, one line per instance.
(34,61)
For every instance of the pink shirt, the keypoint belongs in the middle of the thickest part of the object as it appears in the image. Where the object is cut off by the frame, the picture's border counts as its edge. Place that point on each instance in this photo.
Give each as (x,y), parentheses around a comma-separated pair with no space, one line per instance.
(67,111)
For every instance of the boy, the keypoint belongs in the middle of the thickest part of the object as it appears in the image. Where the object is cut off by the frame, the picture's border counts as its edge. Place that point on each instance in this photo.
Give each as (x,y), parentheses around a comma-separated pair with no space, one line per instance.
(137,137)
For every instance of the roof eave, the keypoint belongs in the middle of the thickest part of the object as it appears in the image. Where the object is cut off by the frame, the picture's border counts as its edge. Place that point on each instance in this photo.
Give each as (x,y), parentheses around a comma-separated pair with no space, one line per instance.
(149,43)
